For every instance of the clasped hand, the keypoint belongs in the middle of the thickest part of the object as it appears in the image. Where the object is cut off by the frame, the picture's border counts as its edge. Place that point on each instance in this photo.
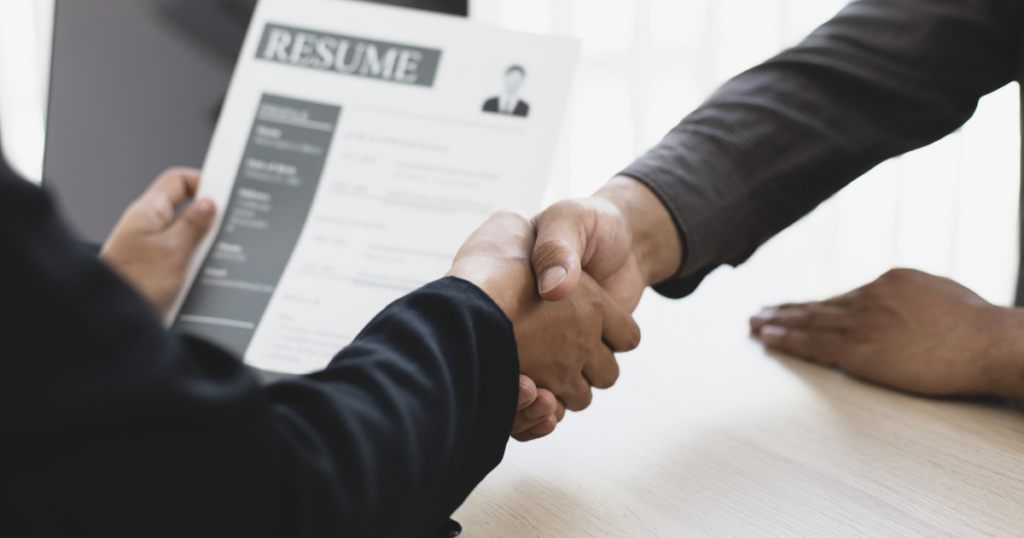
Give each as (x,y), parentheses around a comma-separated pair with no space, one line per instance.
(908,330)
(565,348)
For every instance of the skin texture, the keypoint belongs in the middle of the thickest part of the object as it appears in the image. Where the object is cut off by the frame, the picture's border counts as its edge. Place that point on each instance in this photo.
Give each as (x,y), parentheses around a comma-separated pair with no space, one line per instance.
(622,236)
(908,330)
(150,246)
(566,346)
(150,249)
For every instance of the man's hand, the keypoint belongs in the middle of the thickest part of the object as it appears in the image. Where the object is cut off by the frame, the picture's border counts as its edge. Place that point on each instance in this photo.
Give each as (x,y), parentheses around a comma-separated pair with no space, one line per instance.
(908,330)
(150,247)
(565,347)
(622,236)
(538,413)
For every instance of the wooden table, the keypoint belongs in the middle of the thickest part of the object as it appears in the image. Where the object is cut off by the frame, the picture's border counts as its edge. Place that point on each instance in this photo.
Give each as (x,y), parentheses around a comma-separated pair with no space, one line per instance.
(706,434)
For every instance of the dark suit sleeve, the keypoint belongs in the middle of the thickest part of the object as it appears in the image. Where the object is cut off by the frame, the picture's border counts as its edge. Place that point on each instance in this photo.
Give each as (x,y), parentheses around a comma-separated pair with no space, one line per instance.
(114,427)
(881,78)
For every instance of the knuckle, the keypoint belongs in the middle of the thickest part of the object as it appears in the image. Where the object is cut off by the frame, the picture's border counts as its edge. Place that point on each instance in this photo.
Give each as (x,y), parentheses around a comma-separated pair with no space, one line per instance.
(563,209)
(513,216)
(573,206)
(579,402)
(550,251)
(586,346)
(877,289)
(602,381)
(608,381)
(792,340)
(894,277)
(174,172)
(563,380)
(633,339)
(810,314)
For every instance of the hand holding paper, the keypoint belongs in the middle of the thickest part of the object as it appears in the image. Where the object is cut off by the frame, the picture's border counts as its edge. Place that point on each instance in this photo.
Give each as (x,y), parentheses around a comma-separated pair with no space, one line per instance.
(351,158)
(150,247)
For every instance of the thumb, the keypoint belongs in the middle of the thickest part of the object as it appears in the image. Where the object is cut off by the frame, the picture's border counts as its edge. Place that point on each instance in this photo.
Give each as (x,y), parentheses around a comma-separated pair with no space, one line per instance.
(561,241)
(193,223)
(527,392)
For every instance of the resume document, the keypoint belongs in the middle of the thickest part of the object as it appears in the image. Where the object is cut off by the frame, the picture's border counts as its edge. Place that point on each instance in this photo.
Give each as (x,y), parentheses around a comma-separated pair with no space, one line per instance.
(358,147)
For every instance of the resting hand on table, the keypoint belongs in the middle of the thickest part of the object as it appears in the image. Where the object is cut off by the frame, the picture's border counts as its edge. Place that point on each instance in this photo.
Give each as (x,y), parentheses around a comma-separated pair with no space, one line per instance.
(566,347)
(150,247)
(622,236)
(908,330)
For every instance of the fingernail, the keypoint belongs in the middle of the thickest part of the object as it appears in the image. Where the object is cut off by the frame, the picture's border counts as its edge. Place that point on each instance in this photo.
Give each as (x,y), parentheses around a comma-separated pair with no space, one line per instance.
(772,332)
(539,409)
(524,395)
(205,206)
(552,278)
(765,313)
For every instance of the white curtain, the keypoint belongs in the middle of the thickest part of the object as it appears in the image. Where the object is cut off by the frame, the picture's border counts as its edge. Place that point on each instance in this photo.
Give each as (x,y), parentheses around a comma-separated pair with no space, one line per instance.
(25,32)
(950,209)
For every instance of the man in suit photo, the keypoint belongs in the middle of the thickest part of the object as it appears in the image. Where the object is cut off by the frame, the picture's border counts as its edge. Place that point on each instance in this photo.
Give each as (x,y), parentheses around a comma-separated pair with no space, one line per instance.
(509,102)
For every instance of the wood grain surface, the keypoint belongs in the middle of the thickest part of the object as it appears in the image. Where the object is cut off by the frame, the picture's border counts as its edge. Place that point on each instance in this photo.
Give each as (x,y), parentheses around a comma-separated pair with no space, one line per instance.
(706,434)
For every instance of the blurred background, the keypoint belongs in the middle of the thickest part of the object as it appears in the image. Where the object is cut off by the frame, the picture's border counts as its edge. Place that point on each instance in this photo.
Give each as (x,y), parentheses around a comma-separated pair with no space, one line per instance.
(949,209)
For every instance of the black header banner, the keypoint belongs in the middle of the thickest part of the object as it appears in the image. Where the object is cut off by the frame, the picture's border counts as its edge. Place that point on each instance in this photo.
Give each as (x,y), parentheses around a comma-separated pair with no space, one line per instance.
(347,55)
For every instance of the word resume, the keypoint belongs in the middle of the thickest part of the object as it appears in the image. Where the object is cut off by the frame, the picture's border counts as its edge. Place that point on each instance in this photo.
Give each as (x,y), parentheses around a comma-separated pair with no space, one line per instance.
(358,147)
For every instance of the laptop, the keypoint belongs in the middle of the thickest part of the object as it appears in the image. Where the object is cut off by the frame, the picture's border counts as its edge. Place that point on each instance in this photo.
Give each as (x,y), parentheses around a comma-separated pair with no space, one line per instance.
(136,86)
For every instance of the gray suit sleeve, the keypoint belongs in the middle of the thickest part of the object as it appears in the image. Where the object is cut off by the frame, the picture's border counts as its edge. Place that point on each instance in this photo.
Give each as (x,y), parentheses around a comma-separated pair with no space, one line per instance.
(881,78)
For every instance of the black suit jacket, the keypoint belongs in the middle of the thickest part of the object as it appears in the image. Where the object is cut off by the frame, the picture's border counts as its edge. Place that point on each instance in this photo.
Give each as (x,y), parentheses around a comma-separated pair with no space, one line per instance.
(493,104)
(114,427)
(881,78)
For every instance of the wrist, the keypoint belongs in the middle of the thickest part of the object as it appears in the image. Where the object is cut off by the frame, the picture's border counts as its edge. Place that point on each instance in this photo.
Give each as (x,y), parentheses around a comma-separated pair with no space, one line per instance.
(655,238)
(1006,352)
(508,283)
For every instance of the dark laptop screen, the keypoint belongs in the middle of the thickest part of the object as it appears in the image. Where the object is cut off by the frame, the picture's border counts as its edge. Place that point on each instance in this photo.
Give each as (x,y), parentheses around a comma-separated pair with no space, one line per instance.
(136,87)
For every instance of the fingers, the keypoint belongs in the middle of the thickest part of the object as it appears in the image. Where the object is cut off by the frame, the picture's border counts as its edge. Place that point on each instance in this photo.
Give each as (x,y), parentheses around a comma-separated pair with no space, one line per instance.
(192,225)
(817,344)
(812,330)
(603,370)
(169,191)
(540,430)
(527,392)
(178,184)
(626,286)
(813,315)
(578,395)
(619,329)
(542,407)
(562,232)
(538,411)
(538,418)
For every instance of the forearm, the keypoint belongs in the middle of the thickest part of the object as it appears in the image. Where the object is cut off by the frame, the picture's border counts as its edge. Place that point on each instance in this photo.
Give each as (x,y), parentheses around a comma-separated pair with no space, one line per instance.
(150,427)
(411,416)
(881,78)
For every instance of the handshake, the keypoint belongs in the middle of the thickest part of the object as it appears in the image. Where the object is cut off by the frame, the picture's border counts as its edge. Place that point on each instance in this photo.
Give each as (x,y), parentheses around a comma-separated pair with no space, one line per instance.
(568,280)
(565,347)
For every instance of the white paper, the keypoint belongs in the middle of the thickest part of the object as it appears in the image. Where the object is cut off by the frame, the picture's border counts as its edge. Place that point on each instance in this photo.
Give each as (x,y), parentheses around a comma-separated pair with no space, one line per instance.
(343,185)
